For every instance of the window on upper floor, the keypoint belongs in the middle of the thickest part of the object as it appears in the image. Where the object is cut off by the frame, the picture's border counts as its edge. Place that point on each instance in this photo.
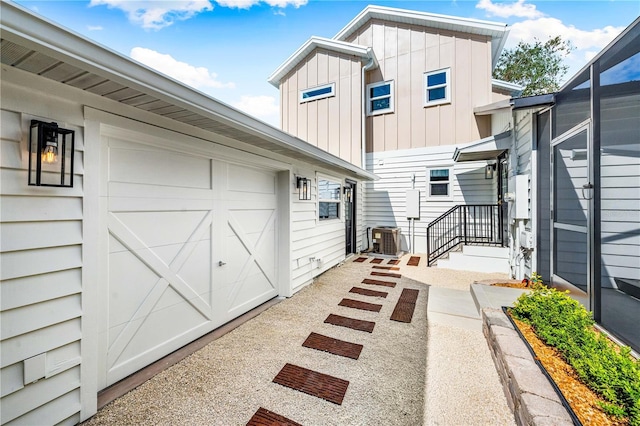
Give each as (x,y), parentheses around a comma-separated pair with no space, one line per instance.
(439,183)
(328,199)
(319,92)
(380,98)
(437,87)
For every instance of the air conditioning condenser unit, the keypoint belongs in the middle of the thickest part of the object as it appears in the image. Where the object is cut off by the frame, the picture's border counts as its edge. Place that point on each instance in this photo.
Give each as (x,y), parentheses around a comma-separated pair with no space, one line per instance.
(386,240)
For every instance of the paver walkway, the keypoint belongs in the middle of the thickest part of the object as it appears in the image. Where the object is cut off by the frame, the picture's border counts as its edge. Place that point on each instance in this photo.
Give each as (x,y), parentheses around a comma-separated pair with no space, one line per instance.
(406,373)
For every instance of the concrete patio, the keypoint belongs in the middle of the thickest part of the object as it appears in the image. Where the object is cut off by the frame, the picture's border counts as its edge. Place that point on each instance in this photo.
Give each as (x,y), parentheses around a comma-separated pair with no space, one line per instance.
(435,370)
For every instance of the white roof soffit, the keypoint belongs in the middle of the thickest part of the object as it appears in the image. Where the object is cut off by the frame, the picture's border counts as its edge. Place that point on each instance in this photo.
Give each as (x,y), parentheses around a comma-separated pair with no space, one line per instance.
(39,46)
(484,149)
(363,52)
(497,31)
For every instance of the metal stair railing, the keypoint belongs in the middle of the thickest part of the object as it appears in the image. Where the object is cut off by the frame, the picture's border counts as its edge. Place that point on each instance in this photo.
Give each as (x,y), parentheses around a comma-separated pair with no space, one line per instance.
(469,224)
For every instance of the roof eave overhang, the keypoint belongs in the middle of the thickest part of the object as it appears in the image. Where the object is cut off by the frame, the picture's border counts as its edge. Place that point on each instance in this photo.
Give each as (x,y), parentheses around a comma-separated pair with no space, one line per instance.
(498,32)
(21,26)
(365,53)
(484,149)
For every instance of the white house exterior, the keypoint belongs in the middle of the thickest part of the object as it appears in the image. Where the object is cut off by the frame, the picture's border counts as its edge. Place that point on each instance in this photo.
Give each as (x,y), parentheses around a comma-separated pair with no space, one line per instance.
(401,88)
(183,215)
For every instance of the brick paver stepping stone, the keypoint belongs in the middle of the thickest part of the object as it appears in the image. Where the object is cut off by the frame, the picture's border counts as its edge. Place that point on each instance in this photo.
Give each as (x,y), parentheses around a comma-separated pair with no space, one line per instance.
(386,268)
(367,292)
(311,382)
(377,260)
(403,312)
(360,259)
(264,417)
(356,304)
(393,262)
(413,261)
(386,274)
(333,346)
(378,282)
(352,323)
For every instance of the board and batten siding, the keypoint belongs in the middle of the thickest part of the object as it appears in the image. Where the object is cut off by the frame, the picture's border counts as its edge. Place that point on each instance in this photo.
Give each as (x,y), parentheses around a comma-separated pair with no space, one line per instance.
(40,269)
(332,123)
(385,199)
(405,52)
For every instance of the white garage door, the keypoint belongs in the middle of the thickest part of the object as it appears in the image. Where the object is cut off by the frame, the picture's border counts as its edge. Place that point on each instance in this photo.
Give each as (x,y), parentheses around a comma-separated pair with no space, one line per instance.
(192,244)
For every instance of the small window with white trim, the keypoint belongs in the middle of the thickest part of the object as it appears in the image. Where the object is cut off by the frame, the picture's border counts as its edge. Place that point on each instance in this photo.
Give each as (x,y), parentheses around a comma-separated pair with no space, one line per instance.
(437,87)
(380,98)
(319,92)
(328,199)
(439,183)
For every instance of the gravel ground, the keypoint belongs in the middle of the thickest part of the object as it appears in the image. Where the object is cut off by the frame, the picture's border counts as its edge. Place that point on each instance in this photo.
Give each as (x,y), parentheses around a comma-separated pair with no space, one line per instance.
(228,380)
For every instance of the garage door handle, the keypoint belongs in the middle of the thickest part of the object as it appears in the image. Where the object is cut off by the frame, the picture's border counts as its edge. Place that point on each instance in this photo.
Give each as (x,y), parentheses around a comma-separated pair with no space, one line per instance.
(221,263)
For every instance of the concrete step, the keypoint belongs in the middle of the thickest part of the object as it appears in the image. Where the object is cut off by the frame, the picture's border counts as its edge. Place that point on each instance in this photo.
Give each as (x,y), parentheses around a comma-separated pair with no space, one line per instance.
(486,251)
(462,262)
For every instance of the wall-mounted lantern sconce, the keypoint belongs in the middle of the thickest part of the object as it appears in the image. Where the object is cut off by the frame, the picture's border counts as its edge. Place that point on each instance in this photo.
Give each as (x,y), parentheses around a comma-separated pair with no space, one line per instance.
(348,194)
(488,170)
(304,188)
(51,151)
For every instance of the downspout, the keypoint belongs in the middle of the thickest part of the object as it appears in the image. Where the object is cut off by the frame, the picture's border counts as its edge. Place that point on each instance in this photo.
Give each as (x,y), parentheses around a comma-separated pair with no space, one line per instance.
(363,131)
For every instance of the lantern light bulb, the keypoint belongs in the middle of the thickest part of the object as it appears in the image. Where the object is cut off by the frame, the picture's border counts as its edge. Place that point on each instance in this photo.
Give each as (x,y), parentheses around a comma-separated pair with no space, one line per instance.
(50,154)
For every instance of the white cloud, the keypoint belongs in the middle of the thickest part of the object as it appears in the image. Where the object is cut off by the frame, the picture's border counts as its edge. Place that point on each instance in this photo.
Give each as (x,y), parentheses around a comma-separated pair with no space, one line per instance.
(157,14)
(197,77)
(265,108)
(507,10)
(586,43)
(246,4)
(95,28)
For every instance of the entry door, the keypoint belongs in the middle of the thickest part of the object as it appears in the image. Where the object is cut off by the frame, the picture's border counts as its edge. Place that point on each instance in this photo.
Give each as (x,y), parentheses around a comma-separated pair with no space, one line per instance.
(190,243)
(571,194)
(350,216)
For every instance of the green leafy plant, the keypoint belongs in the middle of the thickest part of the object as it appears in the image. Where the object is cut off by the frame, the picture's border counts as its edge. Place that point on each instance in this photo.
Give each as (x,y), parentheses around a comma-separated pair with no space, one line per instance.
(606,368)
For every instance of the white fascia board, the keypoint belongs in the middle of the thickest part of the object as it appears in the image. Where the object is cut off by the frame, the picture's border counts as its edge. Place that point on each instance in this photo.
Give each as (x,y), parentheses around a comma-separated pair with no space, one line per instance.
(497,31)
(513,88)
(364,52)
(21,26)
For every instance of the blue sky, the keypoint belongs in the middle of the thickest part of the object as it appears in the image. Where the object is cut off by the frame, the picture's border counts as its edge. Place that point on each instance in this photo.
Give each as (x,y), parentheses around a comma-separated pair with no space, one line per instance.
(228,48)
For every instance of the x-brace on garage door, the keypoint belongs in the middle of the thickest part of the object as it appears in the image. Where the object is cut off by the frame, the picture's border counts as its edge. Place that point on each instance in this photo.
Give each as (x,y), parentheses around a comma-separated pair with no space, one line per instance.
(191,244)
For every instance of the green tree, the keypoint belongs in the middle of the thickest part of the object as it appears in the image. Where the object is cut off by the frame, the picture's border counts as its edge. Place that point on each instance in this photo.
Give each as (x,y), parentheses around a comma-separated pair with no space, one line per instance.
(537,66)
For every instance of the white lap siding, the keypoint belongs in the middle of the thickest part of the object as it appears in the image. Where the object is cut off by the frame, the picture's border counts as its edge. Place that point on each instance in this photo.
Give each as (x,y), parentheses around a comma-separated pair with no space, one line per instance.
(40,269)
(385,200)
(316,245)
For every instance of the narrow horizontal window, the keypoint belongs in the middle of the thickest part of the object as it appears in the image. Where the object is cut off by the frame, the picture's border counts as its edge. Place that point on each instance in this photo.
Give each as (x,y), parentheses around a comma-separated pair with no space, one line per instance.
(437,87)
(318,92)
(380,98)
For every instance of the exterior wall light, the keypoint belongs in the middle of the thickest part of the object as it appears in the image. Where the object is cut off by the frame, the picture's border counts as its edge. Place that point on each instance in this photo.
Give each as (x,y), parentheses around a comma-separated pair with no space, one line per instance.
(304,188)
(488,170)
(348,194)
(51,150)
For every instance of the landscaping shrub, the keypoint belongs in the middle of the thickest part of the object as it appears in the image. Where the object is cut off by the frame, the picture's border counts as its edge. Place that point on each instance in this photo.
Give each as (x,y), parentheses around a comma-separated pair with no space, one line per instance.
(565,324)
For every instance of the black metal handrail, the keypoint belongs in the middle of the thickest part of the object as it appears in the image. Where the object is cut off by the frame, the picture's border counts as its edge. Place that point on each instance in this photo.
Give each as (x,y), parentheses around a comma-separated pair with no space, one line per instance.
(472,224)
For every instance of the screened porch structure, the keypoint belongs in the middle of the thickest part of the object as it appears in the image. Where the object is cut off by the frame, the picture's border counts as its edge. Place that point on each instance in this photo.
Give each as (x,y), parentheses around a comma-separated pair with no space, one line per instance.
(588,187)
